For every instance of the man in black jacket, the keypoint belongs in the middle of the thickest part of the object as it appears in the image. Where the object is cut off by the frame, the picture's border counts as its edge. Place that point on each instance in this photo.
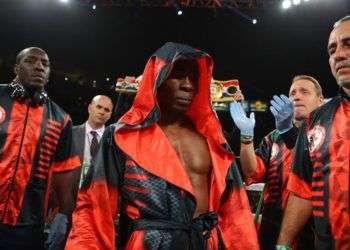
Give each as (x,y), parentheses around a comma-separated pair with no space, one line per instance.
(35,152)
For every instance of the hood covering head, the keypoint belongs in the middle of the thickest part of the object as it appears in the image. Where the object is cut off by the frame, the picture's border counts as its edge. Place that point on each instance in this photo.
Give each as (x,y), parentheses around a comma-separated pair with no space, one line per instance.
(145,110)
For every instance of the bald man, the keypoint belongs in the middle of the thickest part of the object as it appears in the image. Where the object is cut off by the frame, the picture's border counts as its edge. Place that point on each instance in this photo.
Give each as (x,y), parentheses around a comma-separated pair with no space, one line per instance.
(35,152)
(87,135)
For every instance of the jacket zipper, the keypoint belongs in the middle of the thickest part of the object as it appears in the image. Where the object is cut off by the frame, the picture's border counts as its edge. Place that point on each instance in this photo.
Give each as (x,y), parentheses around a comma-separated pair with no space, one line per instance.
(17,163)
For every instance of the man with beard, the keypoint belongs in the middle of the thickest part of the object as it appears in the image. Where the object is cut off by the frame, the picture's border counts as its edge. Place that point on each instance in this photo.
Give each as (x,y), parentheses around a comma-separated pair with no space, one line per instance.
(319,182)
(35,153)
(271,162)
(166,168)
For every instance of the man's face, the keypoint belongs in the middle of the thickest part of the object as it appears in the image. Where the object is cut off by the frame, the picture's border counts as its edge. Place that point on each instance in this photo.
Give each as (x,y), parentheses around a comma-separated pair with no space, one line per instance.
(178,90)
(33,69)
(339,54)
(305,99)
(100,111)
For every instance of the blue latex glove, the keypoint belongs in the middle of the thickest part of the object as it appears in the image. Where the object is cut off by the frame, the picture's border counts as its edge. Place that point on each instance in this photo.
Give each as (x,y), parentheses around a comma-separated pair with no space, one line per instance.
(283,247)
(246,125)
(283,111)
(58,232)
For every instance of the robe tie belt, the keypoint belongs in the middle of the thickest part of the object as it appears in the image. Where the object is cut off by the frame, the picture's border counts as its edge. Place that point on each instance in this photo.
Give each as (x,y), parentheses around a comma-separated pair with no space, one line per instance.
(198,229)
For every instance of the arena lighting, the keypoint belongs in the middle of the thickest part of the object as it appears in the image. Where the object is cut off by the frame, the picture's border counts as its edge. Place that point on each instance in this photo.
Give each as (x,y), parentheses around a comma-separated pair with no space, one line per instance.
(286,4)
(64,1)
(210,4)
(94,6)
(236,11)
(176,5)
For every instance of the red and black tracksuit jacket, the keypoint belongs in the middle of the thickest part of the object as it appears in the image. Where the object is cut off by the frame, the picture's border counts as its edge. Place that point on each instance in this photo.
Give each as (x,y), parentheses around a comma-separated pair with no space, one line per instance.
(274,160)
(321,171)
(137,163)
(35,142)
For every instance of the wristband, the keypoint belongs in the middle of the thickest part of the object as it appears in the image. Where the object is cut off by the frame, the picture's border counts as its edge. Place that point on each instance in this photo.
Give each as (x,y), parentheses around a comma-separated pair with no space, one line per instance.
(247,142)
(283,247)
(247,139)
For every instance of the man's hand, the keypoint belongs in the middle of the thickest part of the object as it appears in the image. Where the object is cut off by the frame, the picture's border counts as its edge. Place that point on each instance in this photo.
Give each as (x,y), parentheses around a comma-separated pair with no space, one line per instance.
(58,232)
(282,110)
(245,124)
(238,96)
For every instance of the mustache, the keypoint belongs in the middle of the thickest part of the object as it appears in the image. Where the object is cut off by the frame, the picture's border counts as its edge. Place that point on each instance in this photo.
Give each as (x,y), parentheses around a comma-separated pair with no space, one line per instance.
(341,64)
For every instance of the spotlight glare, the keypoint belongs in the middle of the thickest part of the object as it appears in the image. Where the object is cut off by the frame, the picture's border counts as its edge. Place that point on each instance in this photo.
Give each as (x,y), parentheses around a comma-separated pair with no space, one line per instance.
(64,1)
(306,0)
(94,6)
(286,4)
(66,79)
(254,21)
(296,2)
(179,12)
(107,79)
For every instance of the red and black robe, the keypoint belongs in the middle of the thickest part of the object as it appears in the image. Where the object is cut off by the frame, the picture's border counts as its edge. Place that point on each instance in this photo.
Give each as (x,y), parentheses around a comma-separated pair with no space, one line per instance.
(35,142)
(321,171)
(137,163)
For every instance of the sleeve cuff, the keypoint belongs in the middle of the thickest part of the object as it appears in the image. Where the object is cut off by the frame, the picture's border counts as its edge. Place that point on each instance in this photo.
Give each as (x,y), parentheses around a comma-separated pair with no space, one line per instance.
(299,187)
(290,137)
(259,174)
(68,164)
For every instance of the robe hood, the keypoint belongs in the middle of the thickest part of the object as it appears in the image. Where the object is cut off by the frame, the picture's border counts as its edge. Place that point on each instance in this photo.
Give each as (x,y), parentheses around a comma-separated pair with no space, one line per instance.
(145,110)
(142,139)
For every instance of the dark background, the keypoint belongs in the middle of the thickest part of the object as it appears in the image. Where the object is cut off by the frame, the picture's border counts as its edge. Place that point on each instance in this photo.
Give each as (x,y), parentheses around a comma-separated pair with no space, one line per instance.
(111,41)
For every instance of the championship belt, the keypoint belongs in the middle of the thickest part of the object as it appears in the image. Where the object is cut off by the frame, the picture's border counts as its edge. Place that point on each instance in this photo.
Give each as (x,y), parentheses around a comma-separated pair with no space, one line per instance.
(220,91)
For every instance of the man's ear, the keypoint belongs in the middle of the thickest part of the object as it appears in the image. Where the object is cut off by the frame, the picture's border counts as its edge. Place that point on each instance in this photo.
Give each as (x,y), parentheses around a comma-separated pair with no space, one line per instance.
(16,69)
(89,108)
(321,100)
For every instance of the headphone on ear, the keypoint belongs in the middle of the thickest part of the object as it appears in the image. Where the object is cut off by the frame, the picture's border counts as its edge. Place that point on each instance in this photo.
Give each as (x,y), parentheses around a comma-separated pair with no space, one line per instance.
(18,92)
(39,98)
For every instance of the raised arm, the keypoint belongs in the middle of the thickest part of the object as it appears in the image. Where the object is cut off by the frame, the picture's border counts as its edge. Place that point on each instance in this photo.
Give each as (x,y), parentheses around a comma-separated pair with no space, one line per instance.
(246,127)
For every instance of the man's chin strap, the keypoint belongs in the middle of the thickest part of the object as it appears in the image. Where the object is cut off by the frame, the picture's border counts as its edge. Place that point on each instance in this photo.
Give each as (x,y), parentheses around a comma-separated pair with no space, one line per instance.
(19,92)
